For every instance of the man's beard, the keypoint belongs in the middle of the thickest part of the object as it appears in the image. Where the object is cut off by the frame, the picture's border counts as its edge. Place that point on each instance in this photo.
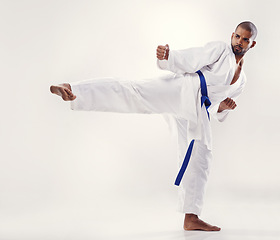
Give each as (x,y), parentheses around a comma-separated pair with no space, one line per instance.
(237,50)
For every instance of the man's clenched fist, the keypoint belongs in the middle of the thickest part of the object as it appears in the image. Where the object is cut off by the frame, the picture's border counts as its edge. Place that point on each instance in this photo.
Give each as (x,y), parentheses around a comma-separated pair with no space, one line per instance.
(228,103)
(163,52)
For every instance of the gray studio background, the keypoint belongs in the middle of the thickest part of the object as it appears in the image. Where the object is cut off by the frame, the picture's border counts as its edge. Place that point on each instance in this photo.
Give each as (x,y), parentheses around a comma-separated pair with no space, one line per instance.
(88,175)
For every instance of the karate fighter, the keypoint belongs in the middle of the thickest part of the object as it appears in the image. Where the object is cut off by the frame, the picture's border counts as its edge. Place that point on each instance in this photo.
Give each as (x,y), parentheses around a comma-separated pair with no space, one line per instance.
(179,99)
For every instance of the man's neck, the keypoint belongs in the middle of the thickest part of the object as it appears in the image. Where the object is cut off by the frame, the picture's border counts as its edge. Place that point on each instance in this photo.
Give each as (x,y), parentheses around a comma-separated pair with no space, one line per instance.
(238,58)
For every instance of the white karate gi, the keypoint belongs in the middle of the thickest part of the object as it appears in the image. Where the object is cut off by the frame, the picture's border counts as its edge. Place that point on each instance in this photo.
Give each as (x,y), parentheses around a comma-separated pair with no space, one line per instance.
(178,99)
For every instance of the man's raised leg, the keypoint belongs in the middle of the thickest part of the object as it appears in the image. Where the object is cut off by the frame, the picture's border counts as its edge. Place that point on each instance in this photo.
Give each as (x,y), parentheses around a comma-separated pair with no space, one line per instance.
(160,95)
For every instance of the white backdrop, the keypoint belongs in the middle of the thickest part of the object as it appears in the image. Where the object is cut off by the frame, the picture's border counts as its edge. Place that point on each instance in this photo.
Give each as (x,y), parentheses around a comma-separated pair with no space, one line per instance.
(66,174)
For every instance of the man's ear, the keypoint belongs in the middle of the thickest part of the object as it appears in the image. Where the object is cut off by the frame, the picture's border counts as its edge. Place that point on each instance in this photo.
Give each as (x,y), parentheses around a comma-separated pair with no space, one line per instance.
(232,35)
(253,44)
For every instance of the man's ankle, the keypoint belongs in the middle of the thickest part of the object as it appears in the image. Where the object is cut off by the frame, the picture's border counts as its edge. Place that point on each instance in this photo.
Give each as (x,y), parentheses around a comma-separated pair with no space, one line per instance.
(191,216)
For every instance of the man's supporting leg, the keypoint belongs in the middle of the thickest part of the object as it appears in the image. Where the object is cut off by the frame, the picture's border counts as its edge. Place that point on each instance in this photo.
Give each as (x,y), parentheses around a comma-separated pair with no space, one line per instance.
(192,187)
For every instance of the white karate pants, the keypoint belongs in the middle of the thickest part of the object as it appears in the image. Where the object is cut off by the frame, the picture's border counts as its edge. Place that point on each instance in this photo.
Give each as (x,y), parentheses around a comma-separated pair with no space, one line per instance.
(173,96)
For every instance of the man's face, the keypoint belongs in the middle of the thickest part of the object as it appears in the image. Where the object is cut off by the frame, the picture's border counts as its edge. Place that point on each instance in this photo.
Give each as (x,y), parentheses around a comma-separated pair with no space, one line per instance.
(241,41)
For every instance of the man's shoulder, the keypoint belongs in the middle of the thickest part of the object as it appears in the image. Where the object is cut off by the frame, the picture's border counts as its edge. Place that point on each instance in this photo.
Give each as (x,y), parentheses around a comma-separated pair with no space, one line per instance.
(218,47)
(217,44)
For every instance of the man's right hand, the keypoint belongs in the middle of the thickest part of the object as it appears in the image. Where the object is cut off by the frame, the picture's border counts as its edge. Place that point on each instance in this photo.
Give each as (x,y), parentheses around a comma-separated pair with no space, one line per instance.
(163,52)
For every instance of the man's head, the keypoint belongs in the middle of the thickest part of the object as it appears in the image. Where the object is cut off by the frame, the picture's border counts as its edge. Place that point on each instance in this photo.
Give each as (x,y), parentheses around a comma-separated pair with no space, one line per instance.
(243,38)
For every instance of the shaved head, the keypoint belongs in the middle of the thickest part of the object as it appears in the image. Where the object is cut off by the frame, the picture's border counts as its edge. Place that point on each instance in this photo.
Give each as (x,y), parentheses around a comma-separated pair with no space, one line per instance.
(249,26)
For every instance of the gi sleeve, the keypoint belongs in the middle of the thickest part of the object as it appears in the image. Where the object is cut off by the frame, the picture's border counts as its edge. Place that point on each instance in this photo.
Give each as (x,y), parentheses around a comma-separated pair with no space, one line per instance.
(192,59)
(221,116)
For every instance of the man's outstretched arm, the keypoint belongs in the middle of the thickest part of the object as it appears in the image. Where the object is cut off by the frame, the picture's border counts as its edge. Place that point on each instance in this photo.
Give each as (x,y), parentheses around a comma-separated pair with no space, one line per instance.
(189,60)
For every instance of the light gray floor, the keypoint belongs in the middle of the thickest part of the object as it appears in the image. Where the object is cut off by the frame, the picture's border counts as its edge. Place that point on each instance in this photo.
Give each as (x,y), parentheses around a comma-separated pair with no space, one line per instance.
(239,220)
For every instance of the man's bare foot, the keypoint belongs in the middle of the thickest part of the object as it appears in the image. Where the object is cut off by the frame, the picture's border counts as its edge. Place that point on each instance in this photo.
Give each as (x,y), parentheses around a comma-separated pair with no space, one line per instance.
(63,90)
(192,222)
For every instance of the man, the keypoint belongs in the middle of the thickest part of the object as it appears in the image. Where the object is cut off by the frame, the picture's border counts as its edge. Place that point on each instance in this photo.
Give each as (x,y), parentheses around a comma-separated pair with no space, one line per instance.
(207,80)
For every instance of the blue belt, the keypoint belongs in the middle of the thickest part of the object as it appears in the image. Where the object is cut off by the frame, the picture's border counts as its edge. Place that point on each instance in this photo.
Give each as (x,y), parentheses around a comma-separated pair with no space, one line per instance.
(204,100)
